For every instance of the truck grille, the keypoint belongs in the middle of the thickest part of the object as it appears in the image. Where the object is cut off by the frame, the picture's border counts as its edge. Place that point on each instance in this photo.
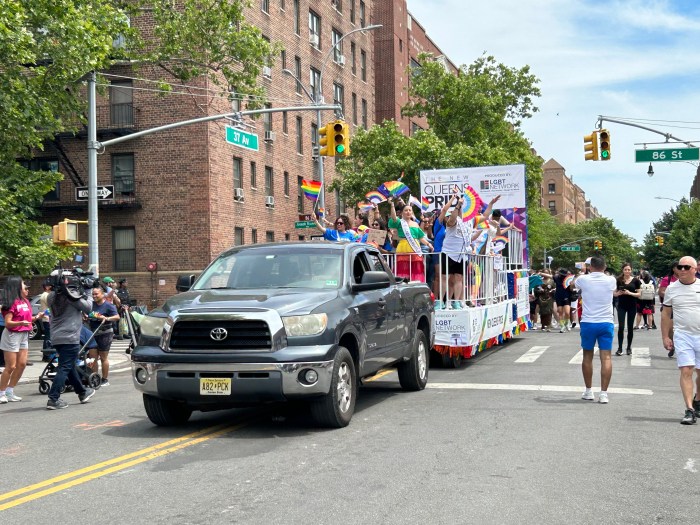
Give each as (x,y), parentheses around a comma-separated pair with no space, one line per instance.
(240,335)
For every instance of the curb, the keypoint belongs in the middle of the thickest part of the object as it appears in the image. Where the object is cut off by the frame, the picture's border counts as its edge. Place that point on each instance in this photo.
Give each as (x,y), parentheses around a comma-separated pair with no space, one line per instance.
(117,367)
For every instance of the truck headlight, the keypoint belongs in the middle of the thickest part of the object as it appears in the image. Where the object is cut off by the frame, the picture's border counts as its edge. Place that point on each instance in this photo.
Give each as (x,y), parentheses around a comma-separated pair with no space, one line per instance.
(152,326)
(311,324)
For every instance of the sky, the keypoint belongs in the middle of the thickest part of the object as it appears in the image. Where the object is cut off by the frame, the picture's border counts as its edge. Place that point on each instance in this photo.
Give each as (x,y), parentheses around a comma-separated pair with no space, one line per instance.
(626,59)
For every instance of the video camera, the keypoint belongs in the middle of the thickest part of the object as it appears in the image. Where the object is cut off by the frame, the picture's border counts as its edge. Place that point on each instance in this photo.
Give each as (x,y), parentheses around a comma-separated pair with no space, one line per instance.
(73,283)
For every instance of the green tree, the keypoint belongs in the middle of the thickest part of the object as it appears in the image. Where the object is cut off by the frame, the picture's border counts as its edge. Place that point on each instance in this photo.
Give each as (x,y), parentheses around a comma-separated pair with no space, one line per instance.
(47,47)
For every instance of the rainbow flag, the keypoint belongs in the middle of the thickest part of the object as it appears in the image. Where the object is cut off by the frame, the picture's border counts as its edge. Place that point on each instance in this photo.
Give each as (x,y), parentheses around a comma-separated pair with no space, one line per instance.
(311,189)
(424,204)
(472,203)
(375,197)
(415,202)
(365,206)
(500,238)
(393,188)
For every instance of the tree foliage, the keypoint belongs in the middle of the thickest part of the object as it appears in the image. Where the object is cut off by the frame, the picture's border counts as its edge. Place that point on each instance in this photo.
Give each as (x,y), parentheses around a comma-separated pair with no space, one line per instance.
(47,48)
(680,229)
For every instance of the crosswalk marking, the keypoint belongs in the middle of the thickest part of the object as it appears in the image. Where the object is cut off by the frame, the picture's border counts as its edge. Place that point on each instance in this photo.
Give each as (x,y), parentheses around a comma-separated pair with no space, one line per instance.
(538,388)
(531,355)
(640,356)
(578,358)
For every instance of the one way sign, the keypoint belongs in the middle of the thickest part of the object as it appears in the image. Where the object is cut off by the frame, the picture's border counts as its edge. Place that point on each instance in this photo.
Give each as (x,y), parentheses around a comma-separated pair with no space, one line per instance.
(103,193)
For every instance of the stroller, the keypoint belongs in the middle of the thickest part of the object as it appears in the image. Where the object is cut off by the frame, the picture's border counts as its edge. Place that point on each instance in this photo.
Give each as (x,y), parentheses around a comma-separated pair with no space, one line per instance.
(87,376)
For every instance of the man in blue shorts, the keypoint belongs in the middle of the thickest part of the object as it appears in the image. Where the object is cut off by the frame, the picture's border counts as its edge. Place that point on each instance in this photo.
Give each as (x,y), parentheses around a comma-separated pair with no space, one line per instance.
(597,324)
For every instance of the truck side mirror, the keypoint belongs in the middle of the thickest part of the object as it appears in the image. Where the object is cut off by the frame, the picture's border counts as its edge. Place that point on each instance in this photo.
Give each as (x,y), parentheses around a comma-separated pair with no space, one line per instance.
(184,282)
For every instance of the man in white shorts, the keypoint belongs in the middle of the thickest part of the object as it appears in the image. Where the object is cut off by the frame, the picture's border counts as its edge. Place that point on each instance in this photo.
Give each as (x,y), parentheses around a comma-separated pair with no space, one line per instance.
(682,300)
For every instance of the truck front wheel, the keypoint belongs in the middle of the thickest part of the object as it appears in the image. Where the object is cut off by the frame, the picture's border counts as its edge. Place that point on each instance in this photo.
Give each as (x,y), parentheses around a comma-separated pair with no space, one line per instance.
(166,413)
(336,408)
(413,374)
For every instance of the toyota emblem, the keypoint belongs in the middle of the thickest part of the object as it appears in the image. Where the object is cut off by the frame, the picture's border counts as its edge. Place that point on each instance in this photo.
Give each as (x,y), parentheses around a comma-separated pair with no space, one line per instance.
(218,334)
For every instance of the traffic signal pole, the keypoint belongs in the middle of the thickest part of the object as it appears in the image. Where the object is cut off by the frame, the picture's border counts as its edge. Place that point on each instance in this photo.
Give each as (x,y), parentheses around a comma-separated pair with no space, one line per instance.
(93,146)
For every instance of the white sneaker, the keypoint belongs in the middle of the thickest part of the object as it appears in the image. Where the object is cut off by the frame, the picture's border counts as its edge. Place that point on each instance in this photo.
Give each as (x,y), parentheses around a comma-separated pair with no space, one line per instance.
(12,397)
(603,398)
(588,396)
(3,399)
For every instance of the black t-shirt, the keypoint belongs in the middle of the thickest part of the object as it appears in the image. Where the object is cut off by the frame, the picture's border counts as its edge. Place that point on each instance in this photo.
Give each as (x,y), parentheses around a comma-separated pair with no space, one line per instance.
(627,301)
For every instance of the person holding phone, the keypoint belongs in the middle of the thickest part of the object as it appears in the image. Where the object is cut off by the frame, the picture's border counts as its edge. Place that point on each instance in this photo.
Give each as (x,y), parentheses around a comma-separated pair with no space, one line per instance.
(627,293)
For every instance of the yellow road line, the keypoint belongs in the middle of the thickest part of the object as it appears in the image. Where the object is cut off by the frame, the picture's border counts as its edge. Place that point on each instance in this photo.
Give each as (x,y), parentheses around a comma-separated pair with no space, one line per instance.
(118,464)
(382,373)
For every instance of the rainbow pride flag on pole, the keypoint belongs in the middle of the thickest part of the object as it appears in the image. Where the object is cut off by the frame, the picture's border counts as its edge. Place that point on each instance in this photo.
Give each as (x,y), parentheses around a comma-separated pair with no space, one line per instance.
(311,189)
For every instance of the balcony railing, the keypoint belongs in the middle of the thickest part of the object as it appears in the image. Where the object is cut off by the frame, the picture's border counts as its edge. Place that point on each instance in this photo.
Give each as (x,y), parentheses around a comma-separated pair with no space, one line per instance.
(116,116)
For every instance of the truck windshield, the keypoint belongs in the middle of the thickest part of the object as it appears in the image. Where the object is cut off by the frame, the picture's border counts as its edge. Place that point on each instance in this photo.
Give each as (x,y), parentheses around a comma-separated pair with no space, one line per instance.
(251,269)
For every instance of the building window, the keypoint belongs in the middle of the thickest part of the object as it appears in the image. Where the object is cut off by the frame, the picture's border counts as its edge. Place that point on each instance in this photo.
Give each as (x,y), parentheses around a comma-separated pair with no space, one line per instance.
(123,174)
(314,82)
(300,196)
(287,237)
(337,45)
(352,11)
(285,125)
(297,17)
(283,58)
(338,4)
(551,187)
(363,66)
(237,172)
(265,6)
(300,140)
(415,128)
(339,96)
(315,27)
(238,236)
(362,14)
(45,165)
(400,46)
(269,236)
(282,5)
(297,73)
(254,236)
(364,113)
(302,237)
(314,135)
(253,175)
(354,109)
(353,57)
(124,246)
(286,184)
(267,119)
(121,104)
(552,206)
(269,181)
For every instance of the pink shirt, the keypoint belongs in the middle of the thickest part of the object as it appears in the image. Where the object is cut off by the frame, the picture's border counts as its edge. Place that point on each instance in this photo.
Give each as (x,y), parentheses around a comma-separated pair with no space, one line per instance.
(665,281)
(21,310)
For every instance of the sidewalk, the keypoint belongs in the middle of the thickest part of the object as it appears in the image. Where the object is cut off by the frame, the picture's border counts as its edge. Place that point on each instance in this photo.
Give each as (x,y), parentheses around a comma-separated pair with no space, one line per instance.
(118,359)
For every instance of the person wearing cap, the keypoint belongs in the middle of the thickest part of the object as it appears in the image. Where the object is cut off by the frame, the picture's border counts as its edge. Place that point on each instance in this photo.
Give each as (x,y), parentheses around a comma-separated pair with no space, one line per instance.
(112,297)
(124,300)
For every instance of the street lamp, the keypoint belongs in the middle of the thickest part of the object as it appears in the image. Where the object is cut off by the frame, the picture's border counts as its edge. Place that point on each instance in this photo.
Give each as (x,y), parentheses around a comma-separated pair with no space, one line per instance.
(318,100)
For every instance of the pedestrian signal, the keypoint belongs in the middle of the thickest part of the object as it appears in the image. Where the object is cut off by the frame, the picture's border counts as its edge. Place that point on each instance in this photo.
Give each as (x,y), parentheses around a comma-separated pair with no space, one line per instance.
(590,145)
(65,232)
(604,135)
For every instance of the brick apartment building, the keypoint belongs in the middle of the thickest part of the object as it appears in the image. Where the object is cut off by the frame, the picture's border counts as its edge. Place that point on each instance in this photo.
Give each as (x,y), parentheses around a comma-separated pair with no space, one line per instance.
(564,199)
(185,195)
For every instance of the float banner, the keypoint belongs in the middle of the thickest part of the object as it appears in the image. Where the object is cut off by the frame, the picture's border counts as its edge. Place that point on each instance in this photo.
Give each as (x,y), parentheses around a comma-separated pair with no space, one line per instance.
(523,300)
(438,186)
(472,326)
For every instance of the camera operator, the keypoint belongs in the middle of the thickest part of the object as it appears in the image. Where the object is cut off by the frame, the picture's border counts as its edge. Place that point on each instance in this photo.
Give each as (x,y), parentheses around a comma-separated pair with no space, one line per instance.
(68,302)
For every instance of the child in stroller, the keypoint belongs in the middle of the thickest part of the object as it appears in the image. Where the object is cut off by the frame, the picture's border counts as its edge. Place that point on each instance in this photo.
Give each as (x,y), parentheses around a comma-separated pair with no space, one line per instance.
(87,376)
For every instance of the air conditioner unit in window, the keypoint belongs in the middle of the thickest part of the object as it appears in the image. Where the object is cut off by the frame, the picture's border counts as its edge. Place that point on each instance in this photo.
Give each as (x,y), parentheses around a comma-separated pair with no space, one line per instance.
(267,71)
(313,39)
(341,60)
(238,194)
(270,201)
(270,136)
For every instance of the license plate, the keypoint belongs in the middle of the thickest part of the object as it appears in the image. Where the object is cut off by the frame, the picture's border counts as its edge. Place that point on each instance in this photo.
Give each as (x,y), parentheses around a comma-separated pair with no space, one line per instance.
(215,386)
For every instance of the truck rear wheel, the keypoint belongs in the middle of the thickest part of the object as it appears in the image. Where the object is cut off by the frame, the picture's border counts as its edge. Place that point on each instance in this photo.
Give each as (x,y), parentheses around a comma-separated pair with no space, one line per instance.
(413,374)
(335,409)
(454,361)
(165,413)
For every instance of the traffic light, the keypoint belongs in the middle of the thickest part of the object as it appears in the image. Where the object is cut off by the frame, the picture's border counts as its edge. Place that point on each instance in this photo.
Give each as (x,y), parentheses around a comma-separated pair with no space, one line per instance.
(597,245)
(65,232)
(324,149)
(341,138)
(656,240)
(604,135)
(590,145)
(661,240)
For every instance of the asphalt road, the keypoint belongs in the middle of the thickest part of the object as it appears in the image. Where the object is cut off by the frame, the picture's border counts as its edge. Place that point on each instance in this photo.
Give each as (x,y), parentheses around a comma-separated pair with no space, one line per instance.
(504,439)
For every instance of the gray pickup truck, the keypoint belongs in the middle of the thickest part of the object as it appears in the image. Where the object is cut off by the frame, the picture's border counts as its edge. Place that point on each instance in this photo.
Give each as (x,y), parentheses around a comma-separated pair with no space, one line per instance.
(286,321)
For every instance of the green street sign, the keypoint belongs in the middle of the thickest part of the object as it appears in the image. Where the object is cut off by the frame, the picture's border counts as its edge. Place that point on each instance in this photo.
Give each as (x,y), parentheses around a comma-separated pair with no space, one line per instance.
(575,248)
(305,224)
(667,155)
(242,139)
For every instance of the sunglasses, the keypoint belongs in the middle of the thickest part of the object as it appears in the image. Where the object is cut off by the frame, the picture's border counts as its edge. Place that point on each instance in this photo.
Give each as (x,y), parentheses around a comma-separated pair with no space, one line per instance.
(340,223)
(375,224)
(683,267)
